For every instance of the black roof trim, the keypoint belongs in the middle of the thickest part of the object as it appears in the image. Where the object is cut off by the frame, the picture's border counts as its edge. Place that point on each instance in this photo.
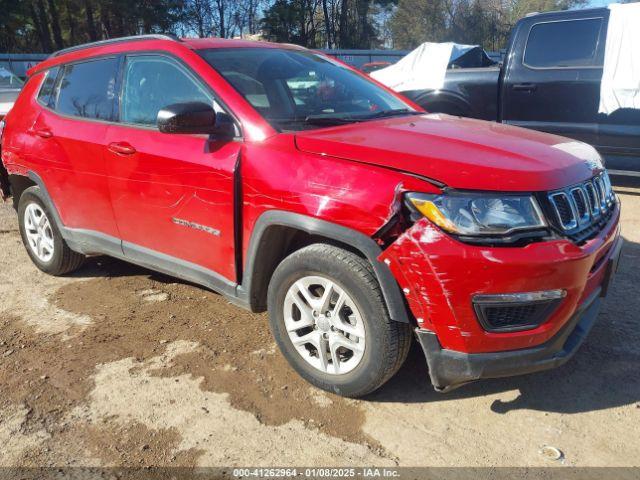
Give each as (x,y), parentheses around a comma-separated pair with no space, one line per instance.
(111,41)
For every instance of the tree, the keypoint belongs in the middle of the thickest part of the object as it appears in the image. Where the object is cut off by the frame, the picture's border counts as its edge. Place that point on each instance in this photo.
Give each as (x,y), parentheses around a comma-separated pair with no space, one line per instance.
(484,22)
(323,23)
(292,21)
(417,21)
(46,25)
(198,16)
(328,24)
(249,11)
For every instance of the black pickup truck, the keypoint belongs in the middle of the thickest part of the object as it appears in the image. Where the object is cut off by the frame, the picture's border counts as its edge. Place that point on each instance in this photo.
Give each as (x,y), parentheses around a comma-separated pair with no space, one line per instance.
(549,81)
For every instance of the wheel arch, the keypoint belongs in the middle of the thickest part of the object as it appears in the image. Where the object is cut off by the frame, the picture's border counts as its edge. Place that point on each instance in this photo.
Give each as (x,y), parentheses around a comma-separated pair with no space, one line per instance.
(278,233)
(19,183)
(448,102)
(34,180)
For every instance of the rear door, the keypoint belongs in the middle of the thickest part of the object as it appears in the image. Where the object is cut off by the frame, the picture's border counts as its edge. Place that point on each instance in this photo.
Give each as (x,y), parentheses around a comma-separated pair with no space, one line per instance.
(172,194)
(553,79)
(67,141)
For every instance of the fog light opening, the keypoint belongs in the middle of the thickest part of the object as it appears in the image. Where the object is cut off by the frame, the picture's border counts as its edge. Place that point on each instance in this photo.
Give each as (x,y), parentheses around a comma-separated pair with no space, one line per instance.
(511,312)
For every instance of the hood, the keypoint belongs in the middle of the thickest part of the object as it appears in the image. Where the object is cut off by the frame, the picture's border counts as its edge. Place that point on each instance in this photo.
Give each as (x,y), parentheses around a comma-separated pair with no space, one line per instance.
(461,153)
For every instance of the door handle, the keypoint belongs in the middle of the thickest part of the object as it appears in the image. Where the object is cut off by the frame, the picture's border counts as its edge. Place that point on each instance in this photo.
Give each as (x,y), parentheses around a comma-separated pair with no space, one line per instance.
(121,148)
(525,87)
(43,132)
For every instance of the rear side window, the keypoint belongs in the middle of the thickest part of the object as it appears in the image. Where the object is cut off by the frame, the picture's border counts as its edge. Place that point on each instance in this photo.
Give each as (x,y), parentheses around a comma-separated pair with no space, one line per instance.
(88,89)
(45,96)
(151,82)
(571,43)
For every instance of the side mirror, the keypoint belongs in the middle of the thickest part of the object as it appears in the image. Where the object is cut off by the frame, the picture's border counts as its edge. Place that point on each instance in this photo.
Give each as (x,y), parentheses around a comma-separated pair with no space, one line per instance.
(188,117)
(225,127)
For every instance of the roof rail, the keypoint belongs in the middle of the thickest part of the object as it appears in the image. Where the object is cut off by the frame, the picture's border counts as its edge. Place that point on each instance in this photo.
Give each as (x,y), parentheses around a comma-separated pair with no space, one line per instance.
(111,41)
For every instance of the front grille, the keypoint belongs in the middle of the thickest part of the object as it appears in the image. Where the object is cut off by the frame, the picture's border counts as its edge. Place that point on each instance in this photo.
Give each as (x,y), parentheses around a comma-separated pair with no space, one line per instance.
(593,198)
(564,210)
(510,317)
(580,201)
(581,211)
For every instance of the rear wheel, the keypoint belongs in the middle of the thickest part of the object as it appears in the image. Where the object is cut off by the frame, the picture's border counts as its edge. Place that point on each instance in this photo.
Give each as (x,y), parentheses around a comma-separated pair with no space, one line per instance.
(41,237)
(328,316)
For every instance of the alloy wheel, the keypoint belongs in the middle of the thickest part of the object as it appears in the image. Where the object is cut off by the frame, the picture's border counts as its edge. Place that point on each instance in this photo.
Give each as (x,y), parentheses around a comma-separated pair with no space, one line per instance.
(324,324)
(39,233)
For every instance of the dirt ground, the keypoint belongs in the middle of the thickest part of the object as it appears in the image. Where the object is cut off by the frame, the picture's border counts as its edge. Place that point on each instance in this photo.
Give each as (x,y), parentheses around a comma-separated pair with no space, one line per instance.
(119,366)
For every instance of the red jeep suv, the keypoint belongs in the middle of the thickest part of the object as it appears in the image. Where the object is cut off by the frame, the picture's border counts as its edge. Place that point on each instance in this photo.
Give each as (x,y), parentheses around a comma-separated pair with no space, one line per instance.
(290,182)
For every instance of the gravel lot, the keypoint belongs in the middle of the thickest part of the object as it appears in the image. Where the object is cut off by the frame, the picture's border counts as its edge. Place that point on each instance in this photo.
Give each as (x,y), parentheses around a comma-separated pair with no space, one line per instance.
(119,366)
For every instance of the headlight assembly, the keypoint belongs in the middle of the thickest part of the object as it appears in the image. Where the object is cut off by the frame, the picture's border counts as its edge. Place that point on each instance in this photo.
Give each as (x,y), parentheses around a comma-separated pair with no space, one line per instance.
(478,214)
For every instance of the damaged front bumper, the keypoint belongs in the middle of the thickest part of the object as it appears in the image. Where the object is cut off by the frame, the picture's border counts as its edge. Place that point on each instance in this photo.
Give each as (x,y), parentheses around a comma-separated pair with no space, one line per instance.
(450,369)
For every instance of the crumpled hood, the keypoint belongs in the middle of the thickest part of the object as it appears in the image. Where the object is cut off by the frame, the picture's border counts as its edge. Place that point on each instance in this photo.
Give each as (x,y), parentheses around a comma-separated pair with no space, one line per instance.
(461,153)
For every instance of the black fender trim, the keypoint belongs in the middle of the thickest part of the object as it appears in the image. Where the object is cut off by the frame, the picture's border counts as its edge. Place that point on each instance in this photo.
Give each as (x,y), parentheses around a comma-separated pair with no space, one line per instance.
(444,97)
(314,226)
(5,186)
(176,267)
(47,198)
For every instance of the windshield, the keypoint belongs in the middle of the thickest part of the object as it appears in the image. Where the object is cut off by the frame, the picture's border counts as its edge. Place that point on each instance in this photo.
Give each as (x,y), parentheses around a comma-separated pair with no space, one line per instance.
(9,80)
(296,90)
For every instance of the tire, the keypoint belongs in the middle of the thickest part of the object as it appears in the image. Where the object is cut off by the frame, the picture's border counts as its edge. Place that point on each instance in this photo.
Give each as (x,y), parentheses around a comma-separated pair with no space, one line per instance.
(377,355)
(57,258)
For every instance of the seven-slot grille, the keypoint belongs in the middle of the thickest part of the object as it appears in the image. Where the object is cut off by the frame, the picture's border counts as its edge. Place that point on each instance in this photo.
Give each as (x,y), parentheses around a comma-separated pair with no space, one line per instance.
(581,210)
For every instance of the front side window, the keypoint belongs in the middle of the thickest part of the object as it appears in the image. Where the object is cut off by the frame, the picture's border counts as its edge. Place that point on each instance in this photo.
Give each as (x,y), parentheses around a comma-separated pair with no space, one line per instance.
(572,43)
(297,89)
(152,82)
(88,89)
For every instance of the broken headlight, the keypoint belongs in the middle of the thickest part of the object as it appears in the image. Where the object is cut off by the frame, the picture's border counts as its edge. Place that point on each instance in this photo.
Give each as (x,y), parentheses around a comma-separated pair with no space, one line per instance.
(478,214)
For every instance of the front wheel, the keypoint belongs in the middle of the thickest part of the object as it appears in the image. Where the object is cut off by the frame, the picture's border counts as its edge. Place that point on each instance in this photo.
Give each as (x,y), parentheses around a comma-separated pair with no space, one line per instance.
(328,316)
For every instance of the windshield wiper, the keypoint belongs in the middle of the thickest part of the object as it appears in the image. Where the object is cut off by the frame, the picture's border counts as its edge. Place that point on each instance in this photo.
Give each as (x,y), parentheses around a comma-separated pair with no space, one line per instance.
(328,120)
(392,113)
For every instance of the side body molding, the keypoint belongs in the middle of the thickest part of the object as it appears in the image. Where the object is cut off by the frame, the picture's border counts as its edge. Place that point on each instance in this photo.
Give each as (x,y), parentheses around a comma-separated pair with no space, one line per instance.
(90,242)
(314,226)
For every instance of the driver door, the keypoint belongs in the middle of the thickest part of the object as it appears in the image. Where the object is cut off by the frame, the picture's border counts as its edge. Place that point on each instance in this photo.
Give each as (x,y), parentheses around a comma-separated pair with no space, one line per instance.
(172,194)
